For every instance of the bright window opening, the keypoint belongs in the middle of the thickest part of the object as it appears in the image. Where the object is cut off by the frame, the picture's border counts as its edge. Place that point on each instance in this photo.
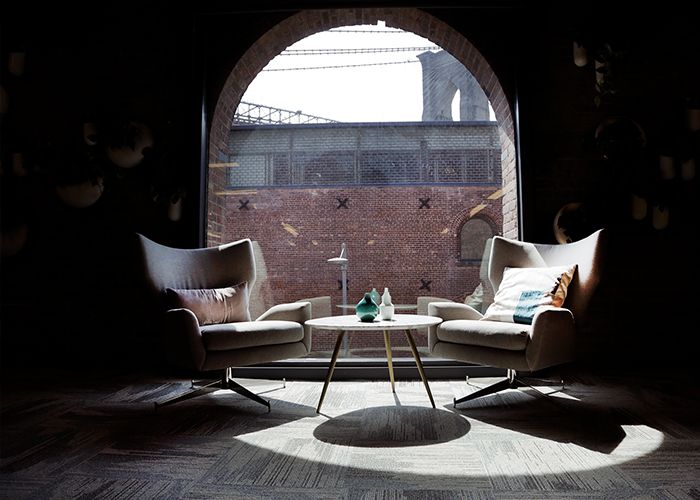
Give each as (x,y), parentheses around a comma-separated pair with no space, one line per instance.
(374,138)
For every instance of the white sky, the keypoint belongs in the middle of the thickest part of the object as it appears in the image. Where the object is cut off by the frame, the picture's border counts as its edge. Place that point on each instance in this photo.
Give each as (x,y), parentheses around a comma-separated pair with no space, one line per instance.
(359,94)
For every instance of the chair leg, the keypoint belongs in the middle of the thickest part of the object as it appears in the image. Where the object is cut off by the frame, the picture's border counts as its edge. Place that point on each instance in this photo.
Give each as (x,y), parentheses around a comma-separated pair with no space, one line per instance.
(238,388)
(511,382)
(193,393)
(506,383)
(531,382)
(226,382)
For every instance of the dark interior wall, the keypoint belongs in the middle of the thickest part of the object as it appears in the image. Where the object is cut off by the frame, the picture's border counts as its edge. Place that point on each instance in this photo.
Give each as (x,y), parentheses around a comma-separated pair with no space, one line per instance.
(70,293)
(649,275)
(654,74)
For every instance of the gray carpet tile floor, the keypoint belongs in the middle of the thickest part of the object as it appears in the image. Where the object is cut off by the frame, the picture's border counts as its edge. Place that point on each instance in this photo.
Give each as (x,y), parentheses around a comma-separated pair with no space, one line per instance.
(99,437)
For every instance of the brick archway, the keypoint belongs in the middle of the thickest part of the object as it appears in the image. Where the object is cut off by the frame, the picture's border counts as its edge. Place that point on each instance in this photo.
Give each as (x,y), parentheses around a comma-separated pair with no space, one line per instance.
(309,22)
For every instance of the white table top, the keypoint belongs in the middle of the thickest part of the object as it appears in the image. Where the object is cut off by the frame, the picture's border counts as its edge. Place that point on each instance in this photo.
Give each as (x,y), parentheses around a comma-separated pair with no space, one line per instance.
(398,322)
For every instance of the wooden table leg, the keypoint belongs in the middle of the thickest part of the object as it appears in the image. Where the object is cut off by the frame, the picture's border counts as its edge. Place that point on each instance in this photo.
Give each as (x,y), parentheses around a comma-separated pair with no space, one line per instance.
(331,367)
(387,345)
(419,364)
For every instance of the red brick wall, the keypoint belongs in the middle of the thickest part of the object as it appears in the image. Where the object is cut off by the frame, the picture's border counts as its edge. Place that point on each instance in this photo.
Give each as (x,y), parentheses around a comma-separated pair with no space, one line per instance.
(391,241)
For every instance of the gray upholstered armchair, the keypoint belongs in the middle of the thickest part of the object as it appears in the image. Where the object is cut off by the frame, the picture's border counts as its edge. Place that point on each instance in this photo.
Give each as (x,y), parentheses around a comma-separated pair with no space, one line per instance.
(203,298)
(467,335)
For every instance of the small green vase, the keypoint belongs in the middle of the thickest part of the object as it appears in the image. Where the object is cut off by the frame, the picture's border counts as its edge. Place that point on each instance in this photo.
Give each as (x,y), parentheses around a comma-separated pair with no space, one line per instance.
(367,309)
(375,296)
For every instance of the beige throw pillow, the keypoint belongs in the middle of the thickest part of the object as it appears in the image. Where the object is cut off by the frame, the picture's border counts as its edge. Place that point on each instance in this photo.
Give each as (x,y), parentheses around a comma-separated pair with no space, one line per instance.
(524,290)
(213,306)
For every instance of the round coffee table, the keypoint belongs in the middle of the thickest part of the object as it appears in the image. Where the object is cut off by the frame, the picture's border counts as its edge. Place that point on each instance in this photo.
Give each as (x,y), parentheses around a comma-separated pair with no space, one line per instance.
(405,322)
(397,307)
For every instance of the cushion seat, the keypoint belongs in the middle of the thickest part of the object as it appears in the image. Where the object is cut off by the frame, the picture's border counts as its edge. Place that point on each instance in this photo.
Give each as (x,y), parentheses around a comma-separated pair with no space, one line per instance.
(485,333)
(226,336)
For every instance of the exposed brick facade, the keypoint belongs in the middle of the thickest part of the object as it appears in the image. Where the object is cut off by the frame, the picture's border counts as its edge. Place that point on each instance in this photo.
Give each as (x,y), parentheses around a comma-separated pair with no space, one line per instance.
(402,227)
(352,154)
(391,241)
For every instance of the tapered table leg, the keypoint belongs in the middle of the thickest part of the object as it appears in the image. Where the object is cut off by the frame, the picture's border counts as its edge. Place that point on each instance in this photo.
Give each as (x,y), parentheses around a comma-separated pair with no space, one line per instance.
(387,345)
(419,364)
(331,367)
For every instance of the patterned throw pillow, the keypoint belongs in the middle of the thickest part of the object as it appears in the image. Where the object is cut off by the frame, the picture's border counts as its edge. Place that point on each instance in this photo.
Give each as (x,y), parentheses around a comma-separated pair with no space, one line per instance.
(524,290)
(213,306)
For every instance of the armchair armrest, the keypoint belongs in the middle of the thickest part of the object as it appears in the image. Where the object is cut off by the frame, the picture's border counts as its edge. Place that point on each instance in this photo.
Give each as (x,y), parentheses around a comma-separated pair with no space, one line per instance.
(552,339)
(294,311)
(453,310)
(448,311)
(423,301)
(320,306)
(182,339)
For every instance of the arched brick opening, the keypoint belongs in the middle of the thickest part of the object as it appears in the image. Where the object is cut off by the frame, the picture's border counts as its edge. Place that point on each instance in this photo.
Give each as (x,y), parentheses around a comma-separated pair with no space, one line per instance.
(475,248)
(307,23)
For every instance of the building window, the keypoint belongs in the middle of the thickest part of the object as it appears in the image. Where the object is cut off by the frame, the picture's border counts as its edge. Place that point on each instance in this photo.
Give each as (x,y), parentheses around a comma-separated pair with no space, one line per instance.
(472,239)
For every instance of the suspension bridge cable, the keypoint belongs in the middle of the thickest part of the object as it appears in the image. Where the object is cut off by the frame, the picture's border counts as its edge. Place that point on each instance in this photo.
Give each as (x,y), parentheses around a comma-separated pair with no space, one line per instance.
(341,66)
(375,50)
(381,32)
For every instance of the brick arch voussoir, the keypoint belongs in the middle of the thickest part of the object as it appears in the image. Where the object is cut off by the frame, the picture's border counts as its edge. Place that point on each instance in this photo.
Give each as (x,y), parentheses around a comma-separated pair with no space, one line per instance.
(461,218)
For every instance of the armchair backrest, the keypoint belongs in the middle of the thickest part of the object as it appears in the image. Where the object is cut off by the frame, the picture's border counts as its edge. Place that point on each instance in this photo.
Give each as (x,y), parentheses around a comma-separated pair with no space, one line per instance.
(214,267)
(587,253)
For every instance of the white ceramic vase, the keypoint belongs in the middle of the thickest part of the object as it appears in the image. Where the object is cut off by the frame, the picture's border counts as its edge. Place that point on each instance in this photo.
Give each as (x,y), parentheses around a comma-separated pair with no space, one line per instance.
(386,297)
(386,312)
(386,308)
